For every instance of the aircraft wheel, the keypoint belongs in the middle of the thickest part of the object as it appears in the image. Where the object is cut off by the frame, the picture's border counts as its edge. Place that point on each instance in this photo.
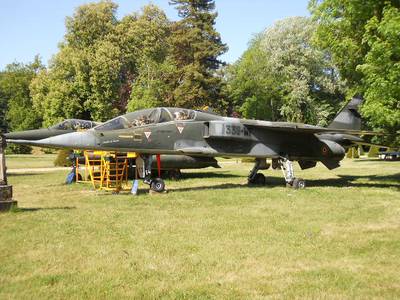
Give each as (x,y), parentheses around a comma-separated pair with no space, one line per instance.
(157,185)
(298,183)
(259,179)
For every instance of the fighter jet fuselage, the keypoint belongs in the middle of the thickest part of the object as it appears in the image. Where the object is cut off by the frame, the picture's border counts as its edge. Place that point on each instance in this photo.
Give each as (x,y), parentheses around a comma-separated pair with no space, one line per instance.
(180,131)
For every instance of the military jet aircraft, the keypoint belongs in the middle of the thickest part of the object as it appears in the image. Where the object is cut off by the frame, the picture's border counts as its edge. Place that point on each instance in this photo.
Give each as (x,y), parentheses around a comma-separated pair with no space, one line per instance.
(178,131)
(172,164)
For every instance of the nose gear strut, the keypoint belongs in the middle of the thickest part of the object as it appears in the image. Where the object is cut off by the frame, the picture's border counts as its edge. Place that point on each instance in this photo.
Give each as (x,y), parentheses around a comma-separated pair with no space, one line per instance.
(156,184)
(258,178)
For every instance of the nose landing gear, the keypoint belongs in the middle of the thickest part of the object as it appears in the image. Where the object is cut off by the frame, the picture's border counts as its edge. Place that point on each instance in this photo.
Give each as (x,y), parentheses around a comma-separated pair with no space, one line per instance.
(156,184)
(287,168)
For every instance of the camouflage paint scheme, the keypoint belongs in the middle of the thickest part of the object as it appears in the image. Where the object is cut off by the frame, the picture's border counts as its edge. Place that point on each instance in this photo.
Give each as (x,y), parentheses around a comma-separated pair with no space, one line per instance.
(179,131)
(73,125)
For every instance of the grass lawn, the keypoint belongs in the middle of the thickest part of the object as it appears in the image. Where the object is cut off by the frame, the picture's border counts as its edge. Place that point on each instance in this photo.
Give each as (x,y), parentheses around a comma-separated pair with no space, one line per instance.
(21,161)
(211,236)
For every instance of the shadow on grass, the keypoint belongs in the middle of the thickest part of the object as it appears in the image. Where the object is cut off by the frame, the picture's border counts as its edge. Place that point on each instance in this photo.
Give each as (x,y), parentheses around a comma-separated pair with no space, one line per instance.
(25,174)
(372,159)
(223,186)
(33,209)
(377,181)
(224,174)
(349,181)
(391,177)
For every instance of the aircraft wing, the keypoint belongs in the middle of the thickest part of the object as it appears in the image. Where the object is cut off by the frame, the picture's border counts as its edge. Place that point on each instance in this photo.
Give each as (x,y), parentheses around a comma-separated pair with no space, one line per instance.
(304,128)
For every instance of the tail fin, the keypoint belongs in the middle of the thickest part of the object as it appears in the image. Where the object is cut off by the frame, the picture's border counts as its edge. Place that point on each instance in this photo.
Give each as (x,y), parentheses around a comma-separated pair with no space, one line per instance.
(348,117)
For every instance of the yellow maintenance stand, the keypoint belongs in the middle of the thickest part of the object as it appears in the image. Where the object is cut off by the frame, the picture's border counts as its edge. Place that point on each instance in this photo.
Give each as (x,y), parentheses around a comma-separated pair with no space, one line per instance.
(105,170)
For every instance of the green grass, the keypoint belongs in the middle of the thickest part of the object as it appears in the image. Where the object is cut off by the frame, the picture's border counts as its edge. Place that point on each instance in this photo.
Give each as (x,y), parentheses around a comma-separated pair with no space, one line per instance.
(21,161)
(211,236)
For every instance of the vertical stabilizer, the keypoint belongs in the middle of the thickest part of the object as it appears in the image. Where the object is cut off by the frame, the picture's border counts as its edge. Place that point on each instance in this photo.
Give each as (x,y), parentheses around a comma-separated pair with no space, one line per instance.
(348,117)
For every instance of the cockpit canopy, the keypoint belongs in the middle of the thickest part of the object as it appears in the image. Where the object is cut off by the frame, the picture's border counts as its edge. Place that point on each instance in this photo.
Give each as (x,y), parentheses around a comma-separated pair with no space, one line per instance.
(74,124)
(147,116)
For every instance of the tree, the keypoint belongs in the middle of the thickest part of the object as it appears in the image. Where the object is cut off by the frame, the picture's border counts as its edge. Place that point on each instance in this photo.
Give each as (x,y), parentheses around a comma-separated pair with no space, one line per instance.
(16,99)
(196,46)
(149,49)
(153,86)
(91,22)
(340,31)
(83,79)
(104,63)
(3,106)
(255,94)
(362,39)
(381,70)
(283,77)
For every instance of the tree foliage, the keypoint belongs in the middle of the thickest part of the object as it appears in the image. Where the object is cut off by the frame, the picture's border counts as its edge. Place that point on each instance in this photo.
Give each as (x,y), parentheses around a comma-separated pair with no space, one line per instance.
(296,70)
(196,46)
(362,37)
(282,76)
(18,113)
(255,93)
(102,63)
(106,66)
(340,31)
(148,35)
(3,106)
(381,70)
(83,77)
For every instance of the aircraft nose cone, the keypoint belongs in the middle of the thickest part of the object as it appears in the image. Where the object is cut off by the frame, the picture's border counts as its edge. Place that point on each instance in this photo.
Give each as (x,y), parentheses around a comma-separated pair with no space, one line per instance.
(29,135)
(74,140)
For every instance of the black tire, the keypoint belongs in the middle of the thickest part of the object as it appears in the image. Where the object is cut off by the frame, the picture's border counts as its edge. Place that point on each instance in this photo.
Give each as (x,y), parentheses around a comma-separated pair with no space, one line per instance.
(259,179)
(299,183)
(157,185)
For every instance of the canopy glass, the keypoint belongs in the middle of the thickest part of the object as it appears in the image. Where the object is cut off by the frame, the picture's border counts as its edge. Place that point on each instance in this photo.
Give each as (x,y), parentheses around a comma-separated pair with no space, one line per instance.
(147,116)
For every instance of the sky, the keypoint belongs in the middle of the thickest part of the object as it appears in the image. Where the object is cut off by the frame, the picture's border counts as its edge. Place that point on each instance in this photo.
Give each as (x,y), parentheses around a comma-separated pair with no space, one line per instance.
(30,27)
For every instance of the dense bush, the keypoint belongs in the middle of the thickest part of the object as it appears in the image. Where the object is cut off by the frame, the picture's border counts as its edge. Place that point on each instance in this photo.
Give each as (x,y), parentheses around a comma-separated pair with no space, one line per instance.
(62,159)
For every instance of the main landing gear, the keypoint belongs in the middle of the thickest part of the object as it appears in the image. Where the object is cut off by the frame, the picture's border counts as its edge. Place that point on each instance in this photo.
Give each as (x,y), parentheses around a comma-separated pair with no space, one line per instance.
(156,184)
(287,170)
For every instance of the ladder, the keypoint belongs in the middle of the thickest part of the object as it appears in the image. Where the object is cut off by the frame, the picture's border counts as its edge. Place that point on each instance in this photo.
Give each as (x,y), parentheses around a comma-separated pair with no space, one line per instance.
(114,172)
(105,170)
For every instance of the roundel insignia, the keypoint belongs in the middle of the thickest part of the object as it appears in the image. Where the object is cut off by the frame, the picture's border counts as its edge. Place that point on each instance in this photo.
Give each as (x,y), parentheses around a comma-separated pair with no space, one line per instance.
(180,127)
(325,150)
